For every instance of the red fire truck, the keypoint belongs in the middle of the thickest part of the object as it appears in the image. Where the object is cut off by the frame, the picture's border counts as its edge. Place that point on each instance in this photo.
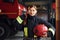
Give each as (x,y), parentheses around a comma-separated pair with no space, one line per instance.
(9,10)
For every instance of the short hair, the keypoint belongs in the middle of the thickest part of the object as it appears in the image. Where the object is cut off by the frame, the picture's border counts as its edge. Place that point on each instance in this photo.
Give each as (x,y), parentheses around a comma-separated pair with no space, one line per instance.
(32,6)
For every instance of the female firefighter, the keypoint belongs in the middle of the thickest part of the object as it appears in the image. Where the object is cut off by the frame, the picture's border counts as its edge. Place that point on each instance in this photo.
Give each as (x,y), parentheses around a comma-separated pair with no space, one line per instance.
(30,21)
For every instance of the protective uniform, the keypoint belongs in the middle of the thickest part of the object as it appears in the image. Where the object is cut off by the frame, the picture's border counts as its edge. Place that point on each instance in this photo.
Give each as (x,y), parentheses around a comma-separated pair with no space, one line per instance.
(31,22)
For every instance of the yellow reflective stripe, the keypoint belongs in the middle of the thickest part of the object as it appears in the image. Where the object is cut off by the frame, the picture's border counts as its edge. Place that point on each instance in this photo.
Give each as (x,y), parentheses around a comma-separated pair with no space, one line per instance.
(35,36)
(25,31)
(50,29)
(19,20)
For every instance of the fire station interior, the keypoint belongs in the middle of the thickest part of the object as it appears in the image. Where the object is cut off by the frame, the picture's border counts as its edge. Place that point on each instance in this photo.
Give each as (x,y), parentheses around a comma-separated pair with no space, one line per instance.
(45,9)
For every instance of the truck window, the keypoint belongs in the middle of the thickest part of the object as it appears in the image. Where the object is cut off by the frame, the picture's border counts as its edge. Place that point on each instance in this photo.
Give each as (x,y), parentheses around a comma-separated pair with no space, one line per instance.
(8,1)
(20,1)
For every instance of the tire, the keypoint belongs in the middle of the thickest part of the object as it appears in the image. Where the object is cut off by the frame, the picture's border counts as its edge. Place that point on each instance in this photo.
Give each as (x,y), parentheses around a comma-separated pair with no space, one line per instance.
(4,31)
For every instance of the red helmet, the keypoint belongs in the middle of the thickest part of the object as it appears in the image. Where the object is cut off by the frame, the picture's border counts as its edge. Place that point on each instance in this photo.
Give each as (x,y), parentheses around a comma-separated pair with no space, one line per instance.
(40,30)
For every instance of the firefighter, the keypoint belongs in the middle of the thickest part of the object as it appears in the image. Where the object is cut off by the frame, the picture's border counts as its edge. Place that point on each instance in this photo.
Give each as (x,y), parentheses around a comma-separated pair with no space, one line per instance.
(29,22)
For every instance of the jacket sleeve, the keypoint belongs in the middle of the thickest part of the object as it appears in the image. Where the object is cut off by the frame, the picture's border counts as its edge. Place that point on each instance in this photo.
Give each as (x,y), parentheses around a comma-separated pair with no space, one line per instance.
(18,22)
(50,27)
(20,19)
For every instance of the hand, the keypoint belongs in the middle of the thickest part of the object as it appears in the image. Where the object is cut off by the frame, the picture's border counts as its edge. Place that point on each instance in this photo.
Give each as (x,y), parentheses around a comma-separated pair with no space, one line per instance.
(45,34)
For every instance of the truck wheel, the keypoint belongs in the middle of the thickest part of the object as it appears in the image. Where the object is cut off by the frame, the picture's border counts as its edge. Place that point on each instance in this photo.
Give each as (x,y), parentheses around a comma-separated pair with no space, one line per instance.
(4,31)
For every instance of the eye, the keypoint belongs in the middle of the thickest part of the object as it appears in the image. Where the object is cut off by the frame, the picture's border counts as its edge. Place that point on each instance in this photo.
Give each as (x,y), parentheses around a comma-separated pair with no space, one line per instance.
(30,10)
(33,10)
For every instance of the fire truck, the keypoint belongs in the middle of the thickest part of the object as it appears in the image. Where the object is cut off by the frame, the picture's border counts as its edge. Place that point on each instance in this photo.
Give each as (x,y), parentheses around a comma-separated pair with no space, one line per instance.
(9,10)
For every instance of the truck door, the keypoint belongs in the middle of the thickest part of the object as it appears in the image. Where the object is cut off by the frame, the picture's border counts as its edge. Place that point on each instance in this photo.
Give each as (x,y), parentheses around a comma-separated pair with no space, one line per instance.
(9,7)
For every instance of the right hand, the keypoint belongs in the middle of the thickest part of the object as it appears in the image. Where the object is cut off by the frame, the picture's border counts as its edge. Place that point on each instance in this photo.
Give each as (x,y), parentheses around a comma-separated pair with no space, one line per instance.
(44,35)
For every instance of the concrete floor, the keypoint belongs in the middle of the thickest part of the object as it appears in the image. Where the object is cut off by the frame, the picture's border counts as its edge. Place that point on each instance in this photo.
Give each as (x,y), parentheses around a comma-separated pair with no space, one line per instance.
(19,36)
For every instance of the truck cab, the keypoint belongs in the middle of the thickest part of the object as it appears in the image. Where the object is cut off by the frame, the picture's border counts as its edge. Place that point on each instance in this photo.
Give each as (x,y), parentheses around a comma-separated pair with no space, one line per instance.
(9,10)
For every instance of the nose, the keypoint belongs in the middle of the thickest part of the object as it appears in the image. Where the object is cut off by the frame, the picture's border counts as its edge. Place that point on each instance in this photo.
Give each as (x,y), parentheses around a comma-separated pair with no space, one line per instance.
(31,12)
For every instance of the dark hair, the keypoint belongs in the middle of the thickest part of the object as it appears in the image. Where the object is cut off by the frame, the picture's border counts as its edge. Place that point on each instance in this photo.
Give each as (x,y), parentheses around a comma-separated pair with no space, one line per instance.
(32,6)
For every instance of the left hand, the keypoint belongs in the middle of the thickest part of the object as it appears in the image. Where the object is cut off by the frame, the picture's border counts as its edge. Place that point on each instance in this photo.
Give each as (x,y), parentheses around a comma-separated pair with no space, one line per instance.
(44,35)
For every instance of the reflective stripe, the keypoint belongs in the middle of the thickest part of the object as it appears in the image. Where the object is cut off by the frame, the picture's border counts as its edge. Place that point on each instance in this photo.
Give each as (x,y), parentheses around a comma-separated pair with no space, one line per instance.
(50,29)
(25,31)
(19,20)
(35,36)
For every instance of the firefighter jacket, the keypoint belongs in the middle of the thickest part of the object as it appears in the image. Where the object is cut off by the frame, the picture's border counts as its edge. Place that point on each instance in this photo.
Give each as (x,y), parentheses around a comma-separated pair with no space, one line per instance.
(31,22)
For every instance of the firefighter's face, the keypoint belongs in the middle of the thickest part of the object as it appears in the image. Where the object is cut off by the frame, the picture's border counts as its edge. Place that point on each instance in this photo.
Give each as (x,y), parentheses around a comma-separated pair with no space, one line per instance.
(32,11)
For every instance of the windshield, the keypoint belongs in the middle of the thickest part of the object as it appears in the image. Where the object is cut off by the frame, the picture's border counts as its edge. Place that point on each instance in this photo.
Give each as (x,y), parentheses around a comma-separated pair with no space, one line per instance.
(9,1)
(20,2)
